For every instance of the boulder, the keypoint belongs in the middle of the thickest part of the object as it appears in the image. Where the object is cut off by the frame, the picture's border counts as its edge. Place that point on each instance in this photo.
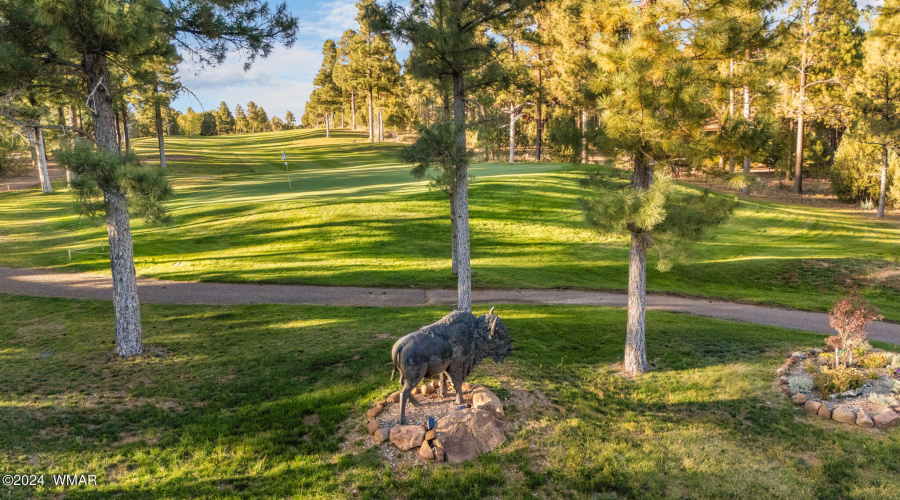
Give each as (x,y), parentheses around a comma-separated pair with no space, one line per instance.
(783,380)
(886,419)
(381,435)
(483,399)
(425,451)
(395,397)
(466,387)
(464,434)
(844,415)
(372,426)
(824,413)
(812,407)
(374,412)
(864,420)
(407,437)
(428,389)
(798,399)
(439,455)
(430,435)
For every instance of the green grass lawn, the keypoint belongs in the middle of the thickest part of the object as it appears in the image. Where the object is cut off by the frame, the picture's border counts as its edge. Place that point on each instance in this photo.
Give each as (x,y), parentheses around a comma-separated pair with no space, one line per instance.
(353,216)
(261,402)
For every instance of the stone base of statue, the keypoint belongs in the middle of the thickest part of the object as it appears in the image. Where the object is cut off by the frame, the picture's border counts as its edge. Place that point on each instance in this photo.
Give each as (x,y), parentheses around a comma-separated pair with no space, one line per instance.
(440,429)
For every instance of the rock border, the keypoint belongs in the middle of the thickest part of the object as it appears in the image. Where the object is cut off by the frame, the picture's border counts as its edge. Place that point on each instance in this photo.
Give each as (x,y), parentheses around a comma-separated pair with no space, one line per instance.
(456,437)
(883,418)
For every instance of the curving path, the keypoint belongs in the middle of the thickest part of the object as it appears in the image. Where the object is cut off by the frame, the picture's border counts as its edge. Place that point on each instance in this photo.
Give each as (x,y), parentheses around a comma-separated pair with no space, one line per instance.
(47,283)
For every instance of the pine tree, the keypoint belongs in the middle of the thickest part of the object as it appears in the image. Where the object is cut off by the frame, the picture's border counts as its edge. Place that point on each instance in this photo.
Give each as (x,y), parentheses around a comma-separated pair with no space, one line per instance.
(89,38)
(326,96)
(289,120)
(876,90)
(654,105)
(569,37)
(450,41)
(822,37)
(253,116)
(224,119)
(241,123)
(367,63)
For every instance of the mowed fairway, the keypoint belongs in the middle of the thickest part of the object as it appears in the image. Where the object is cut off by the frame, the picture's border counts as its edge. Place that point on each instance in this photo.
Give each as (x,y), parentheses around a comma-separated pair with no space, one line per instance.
(352,215)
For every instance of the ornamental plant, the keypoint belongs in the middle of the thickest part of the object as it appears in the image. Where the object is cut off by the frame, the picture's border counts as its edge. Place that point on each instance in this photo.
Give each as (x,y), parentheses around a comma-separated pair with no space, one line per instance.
(850,317)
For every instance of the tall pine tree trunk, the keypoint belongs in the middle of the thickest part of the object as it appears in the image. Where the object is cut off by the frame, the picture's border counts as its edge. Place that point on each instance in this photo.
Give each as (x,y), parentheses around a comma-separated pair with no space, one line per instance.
(464,277)
(539,125)
(371,116)
(730,106)
(380,126)
(118,132)
(39,156)
(801,108)
(129,334)
(159,136)
(512,133)
(353,109)
(635,334)
(125,130)
(584,151)
(746,189)
(327,127)
(73,123)
(882,192)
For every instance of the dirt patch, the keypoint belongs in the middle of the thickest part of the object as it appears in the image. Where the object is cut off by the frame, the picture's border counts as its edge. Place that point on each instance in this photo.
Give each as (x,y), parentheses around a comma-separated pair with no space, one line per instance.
(30,179)
(890,274)
(811,459)
(131,438)
(432,405)
(311,420)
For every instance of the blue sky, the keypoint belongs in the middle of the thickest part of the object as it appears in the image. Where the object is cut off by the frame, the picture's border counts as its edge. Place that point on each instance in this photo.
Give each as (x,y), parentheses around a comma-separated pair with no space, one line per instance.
(280,82)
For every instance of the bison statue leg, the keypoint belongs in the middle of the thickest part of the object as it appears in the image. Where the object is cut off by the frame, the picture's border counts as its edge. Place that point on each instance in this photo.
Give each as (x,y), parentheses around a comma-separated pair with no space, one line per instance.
(405,395)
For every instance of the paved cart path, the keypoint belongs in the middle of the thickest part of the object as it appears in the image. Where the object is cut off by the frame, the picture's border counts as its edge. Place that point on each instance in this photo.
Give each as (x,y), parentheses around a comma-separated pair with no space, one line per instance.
(48,283)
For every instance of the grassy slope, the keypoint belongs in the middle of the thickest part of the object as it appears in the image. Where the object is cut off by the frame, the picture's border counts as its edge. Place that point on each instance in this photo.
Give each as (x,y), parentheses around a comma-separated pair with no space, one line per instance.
(227,410)
(355,217)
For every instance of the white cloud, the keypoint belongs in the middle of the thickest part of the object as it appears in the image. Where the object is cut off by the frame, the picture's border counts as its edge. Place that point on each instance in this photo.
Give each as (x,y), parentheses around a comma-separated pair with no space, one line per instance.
(282,81)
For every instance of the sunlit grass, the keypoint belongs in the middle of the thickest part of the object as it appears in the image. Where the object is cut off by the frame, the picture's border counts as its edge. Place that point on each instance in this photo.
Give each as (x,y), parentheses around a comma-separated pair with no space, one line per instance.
(261,401)
(354,216)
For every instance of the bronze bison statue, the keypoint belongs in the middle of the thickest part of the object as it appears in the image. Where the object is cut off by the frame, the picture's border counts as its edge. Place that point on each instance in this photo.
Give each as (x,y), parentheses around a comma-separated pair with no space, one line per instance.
(450,347)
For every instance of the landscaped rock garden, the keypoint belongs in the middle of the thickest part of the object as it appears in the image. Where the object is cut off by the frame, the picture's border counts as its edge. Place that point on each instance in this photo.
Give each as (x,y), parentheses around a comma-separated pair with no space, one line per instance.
(861,388)
(440,429)
(850,382)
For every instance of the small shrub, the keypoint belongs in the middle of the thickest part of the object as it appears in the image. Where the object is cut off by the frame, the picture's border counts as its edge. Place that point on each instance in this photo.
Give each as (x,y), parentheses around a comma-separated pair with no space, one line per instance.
(830,381)
(894,363)
(854,174)
(896,387)
(874,360)
(826,359)
(811,366)
(884,400)
(867,205)
(850,317)
(800,383)
(862,349)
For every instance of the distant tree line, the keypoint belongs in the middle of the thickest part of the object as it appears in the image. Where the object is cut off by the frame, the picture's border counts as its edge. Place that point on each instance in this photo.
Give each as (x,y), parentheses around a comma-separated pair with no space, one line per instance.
(218,122)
